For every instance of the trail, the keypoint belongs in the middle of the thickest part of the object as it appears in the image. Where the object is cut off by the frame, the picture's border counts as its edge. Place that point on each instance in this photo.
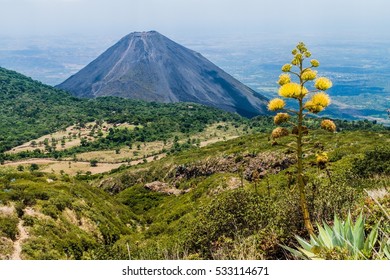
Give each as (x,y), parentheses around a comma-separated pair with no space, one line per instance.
(23,235)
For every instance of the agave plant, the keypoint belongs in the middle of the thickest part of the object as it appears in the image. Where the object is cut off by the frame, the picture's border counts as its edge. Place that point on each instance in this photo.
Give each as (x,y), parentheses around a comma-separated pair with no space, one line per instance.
(345,240)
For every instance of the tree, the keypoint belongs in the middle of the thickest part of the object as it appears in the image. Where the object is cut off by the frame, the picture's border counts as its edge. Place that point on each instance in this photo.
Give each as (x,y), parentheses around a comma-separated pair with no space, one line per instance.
(93,162)
(309,101)
(34,167)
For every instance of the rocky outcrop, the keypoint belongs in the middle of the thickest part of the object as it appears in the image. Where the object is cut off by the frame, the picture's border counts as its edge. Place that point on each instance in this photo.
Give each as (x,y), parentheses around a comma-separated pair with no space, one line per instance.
(161,187)
(252,166)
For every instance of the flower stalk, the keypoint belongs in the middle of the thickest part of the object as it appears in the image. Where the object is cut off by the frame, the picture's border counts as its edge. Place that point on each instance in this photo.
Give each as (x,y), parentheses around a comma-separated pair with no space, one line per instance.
(318,101)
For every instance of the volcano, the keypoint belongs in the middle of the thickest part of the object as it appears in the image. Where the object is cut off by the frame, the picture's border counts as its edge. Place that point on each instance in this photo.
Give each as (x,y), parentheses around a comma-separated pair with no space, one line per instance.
(151,67)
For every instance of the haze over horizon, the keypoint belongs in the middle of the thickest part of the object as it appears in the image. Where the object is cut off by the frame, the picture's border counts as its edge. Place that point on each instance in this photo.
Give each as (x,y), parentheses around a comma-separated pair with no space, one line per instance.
(349,18)
(50,40)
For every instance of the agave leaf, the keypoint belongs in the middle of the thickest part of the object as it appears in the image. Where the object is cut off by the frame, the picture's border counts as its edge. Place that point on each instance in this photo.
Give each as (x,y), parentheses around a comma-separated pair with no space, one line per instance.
(328,229)
(358,233)
(371,239)
(294,252)
(347,225)
(348,236)
(325,238)
(330,233)
(314,240)
(309,254)
(337,232)
(305,245)
(386,250)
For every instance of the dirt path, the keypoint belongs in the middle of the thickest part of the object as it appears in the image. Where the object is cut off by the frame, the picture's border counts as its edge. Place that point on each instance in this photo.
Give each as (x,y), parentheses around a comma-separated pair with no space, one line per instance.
(31,160)
(23,235)
(215,140)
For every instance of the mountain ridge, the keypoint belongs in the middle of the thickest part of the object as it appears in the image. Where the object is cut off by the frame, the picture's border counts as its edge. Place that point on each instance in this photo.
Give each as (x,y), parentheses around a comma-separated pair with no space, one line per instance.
(152,67)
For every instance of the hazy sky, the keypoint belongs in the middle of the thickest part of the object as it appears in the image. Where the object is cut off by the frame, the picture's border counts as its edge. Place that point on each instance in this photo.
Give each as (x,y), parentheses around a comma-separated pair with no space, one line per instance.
(315,17)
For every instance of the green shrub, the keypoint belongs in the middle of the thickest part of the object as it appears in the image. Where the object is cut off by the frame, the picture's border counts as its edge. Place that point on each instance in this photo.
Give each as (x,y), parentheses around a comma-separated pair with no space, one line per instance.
(50,210)
(140,199)
(375,161)
(19,207)
(28,220)
(9,226)
(235,213)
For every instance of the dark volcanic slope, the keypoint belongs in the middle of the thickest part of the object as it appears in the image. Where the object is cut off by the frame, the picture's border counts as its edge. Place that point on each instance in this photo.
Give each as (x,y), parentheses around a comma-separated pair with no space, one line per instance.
(151,67)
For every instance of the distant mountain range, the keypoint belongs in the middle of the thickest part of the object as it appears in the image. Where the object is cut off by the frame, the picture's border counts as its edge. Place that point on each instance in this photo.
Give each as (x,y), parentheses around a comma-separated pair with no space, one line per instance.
(151,67)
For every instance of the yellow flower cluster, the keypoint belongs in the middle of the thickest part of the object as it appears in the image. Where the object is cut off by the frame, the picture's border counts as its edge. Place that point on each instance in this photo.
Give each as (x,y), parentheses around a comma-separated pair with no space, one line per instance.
(286,67)
(322,158)
(321,99)
(328,125)
(313,108)
(301,47)
(279,132)
(292,90)
(284,79)
(276,104)
(318,102)
(309,75)
(323,83)
(314,63)
(296,60)
(281,118)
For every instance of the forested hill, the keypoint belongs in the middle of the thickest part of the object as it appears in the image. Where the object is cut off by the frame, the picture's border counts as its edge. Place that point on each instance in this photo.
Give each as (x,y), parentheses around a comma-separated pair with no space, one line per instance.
(29,109)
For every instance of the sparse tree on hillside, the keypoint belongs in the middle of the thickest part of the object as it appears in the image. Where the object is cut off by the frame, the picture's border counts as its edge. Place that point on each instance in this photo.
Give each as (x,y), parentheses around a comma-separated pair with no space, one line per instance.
(34,167)
(309,101)
(93,162)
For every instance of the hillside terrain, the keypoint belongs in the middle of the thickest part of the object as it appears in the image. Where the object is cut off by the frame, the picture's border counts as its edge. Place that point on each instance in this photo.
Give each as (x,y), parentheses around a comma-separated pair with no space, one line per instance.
(149,66)
(112,178)
(41,109)
(228,200)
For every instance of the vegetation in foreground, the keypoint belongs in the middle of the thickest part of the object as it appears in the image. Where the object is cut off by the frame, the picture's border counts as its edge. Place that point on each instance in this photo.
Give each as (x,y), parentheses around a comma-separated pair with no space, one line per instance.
(229,200)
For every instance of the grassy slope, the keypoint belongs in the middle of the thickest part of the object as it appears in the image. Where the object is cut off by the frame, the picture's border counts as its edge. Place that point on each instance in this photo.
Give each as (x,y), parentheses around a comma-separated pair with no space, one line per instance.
(64,218)
(222,213)
(215,217)
(172,221)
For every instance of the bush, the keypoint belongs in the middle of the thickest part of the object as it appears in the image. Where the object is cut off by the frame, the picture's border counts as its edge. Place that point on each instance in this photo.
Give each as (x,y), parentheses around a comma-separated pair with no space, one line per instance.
(50,210)
(375,162)
(34,167)
(28,220)
(232,214)
(9,226)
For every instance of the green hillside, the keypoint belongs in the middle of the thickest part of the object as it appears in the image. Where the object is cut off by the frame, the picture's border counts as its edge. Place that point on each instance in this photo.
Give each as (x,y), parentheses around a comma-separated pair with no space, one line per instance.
(230,198)
(65,219)
(226,211)
(29,109)
(202,203)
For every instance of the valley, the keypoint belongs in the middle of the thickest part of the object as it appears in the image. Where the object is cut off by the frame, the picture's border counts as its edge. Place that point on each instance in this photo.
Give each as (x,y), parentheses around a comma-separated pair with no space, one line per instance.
(108,160)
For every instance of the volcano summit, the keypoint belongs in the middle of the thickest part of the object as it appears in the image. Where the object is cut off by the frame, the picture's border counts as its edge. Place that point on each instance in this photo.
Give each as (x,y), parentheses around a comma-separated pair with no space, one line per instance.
(149,66)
